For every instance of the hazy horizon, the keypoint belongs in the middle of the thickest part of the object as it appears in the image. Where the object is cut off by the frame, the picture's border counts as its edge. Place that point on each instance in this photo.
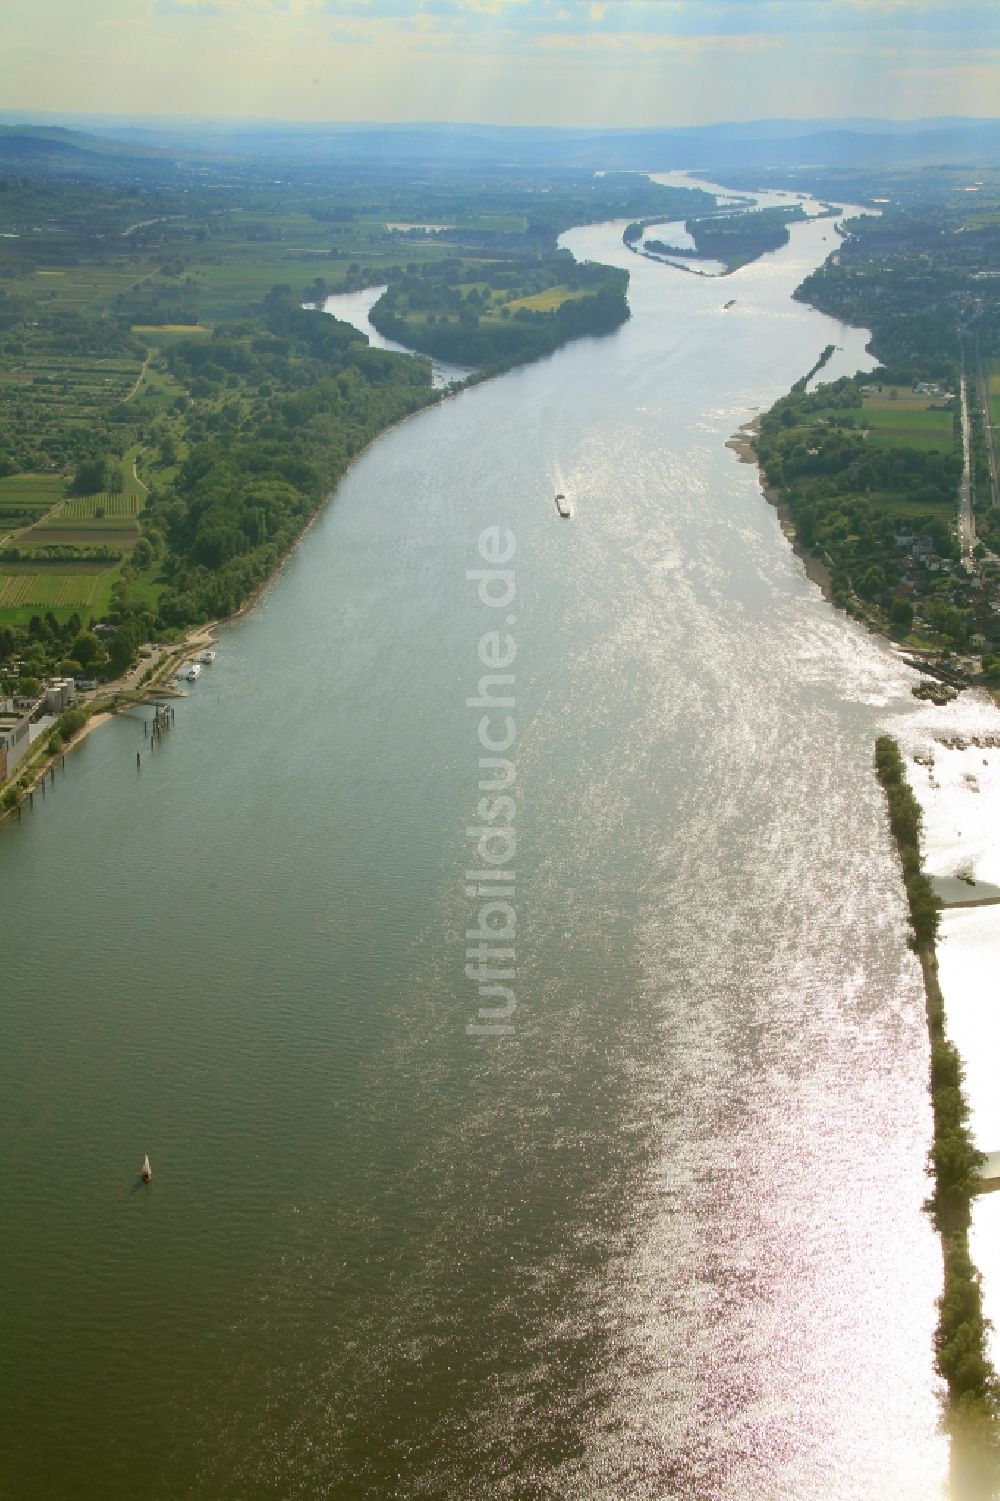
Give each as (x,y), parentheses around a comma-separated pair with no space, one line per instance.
(636,63)
(783,124)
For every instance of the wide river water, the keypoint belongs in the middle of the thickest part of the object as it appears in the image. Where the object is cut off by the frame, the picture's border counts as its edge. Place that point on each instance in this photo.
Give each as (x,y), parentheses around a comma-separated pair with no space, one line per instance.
(664,1239)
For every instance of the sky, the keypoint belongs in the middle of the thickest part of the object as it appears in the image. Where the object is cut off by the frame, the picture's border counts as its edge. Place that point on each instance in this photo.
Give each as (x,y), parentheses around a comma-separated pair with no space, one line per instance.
(505,62)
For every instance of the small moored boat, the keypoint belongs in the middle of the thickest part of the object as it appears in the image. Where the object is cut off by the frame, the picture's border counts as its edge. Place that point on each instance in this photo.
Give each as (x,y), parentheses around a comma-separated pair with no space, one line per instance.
(207,656)
(193,671)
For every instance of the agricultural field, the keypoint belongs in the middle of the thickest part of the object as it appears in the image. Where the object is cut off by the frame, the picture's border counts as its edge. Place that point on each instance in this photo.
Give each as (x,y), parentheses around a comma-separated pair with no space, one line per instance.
(58,381)
(124,504)
(64,590)
(239,282)
(91,525)
(105,520)
(545,302)
(89,287)
(162,335)
(25,498)
(98,533)
(50,404)
(54,589)
(895,504)
(897,418)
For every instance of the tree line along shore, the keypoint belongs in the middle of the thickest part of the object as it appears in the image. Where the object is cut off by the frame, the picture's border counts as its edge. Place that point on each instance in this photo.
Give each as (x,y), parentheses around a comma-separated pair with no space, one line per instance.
(960,1340)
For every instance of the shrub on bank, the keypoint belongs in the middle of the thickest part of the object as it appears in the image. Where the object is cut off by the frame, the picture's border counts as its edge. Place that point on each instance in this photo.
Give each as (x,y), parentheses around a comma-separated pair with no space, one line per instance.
(906,822)
(70,723)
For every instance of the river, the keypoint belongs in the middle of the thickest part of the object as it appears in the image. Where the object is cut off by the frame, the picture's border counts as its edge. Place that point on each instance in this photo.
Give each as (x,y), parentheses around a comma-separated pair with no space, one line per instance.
(664,1238)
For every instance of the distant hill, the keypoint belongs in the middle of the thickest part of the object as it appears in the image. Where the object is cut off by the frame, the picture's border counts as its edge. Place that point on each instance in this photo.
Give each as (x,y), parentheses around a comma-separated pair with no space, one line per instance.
(110,149)
(867,142)
(56,151)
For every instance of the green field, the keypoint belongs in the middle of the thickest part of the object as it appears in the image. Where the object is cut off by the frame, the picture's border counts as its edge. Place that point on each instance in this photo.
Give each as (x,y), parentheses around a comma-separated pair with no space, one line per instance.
(103,532)
(544,302)
(26,497)
(908,421)
(30,505)
(911,437)
(69,590)
(89,288)
(35,584)
(229,289)
(163,335)
(46,397)
(115,507)
(894,504)
(33,489)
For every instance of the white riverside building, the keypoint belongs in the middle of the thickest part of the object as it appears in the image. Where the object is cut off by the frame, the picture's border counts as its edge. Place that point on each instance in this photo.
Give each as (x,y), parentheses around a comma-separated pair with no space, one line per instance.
(15,738)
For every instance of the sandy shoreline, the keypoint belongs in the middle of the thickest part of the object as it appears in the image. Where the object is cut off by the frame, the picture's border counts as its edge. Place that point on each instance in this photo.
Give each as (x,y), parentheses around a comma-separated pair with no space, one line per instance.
(741,444)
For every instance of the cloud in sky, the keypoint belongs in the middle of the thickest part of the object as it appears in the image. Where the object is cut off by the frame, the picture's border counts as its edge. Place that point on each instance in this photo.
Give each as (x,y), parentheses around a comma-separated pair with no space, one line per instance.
(571,62)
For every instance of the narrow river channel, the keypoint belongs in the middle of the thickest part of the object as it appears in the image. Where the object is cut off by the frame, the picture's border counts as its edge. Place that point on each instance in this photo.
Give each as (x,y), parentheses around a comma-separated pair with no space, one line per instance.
(664,1239)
